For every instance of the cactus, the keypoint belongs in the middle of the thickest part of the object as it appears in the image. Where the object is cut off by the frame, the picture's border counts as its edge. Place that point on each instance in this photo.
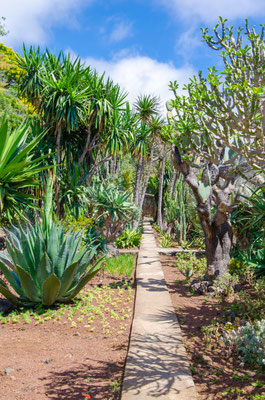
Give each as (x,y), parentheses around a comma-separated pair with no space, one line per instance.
(204,191)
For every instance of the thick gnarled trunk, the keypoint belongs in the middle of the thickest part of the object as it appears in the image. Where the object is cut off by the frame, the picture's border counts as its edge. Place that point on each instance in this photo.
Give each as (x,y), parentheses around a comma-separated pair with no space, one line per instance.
(217,248)
(217,229)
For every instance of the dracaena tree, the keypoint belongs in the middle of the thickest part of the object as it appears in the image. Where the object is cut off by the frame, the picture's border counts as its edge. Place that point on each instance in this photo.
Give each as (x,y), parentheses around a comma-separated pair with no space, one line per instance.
(218,134)
(144,144)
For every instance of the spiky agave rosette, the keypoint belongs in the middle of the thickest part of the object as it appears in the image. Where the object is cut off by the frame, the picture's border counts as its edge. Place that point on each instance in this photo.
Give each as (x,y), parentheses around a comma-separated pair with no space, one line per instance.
(43,264)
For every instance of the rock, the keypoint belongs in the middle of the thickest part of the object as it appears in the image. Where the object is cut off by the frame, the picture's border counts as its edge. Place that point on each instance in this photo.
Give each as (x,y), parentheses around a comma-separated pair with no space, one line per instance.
(211,289)
(5,305)
(200,287)
(251,374)
(8,370)
(207,359)
(46,362)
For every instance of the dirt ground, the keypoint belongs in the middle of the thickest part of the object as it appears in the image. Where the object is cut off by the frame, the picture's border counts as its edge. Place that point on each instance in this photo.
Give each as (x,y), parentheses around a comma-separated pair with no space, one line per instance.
(67,360)
(216,375)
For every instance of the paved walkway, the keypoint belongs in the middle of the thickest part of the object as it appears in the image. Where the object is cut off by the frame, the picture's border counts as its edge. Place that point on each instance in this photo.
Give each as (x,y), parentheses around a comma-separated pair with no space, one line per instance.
(157,365)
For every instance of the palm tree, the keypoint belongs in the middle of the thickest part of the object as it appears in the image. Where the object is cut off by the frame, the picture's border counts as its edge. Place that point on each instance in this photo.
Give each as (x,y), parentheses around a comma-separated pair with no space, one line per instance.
(147,111)
(146,107)
(64,98)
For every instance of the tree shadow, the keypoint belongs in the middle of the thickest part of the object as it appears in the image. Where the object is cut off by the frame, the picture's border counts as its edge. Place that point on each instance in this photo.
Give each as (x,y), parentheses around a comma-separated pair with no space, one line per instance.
(152,284)
(157,364)
(91,378)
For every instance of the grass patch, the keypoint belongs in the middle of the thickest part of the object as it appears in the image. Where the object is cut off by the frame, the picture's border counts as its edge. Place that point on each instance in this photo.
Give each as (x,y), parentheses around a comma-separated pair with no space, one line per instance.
(121,265)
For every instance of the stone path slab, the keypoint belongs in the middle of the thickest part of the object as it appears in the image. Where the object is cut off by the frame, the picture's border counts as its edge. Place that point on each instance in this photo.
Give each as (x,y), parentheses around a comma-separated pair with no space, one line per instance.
(157,365)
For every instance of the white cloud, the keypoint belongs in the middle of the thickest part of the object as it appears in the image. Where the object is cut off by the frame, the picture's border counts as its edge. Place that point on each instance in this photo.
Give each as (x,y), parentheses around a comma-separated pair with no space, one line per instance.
(142,75)
(121,31)
(188,42)
(30,21)
(210,10)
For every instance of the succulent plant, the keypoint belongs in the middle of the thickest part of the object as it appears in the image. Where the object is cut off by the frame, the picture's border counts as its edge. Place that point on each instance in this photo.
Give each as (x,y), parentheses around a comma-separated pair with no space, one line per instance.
(45,267)
(44,264)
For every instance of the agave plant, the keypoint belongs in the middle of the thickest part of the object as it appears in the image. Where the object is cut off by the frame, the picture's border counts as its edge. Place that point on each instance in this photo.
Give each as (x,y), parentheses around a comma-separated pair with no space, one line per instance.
(18,169)
(45,265)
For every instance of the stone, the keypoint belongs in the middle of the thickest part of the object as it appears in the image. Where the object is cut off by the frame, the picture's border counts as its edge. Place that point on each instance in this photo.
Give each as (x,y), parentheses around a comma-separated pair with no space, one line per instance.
(211,289)
(200,287)
(8,370)
(5,305)
(207,359)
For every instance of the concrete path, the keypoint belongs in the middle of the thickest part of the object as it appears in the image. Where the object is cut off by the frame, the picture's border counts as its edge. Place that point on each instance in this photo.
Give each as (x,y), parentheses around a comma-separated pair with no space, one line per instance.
(157,365)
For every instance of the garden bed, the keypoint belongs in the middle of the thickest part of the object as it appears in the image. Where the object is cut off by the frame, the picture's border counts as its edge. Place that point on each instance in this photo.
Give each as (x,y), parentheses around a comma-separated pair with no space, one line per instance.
(69,351)
(217,375)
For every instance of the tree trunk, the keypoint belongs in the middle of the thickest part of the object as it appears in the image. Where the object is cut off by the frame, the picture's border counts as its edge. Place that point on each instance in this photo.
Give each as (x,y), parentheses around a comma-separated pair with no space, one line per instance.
(87,144)
(147,176)
(160,191)
(139,174)
(118,166)
(169,227)
(218,246)
(217,229)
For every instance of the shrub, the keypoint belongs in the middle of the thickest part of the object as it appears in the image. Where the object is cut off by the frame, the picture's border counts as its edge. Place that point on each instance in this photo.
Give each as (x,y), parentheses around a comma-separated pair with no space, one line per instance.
(226,284)
(82,223)
(128,239)
(157,228)
(165,240)
(112,207)
(249,342)
(189,263)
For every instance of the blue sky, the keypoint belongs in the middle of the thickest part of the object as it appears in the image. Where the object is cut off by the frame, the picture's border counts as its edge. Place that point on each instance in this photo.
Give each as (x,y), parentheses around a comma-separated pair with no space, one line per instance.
(141,44)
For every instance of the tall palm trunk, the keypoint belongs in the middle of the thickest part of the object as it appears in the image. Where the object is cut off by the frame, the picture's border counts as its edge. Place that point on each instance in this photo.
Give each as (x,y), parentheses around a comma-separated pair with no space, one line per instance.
(139,174)
(118,166)
(147,176)
(87,144)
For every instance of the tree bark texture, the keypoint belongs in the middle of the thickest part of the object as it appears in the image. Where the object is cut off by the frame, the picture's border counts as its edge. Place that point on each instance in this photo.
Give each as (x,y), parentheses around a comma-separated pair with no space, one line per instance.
(160,191)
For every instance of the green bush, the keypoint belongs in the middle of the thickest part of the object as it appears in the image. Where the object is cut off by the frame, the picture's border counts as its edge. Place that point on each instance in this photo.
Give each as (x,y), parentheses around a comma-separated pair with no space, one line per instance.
(82,223)
(249,342)
(189,264)
(128,239)
(165,240)
(112,208)
(157,228)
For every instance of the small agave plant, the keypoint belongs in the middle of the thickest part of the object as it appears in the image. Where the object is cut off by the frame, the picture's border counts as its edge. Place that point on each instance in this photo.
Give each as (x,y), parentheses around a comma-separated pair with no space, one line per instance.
(43,264)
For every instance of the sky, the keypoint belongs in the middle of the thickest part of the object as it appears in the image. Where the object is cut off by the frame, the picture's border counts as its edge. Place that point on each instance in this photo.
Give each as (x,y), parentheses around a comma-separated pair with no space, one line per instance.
(142,45)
